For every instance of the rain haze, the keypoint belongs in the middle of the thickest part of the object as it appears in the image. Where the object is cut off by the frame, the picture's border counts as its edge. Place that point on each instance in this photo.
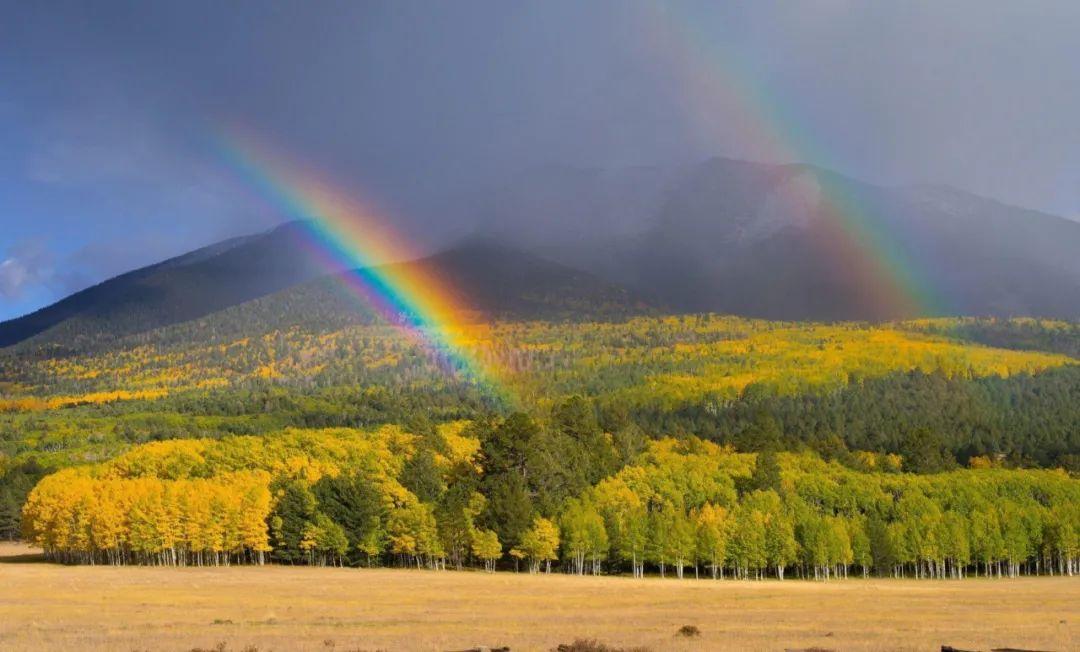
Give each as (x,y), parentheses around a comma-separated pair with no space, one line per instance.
(116,119)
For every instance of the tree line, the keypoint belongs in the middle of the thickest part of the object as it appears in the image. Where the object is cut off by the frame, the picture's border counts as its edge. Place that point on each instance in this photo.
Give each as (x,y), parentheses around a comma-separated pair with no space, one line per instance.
(562,495)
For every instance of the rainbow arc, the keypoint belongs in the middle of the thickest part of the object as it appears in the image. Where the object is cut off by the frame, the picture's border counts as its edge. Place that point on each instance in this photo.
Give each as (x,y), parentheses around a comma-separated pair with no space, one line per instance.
(851,231)
(356,240)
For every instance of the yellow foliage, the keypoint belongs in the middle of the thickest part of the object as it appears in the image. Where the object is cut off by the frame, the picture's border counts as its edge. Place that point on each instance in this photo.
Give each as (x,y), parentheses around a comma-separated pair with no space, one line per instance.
(460,448)
(32,404)
(671,361)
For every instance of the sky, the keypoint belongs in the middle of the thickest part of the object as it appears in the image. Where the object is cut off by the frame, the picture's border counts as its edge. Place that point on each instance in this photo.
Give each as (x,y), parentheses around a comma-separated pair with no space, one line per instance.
(114,115)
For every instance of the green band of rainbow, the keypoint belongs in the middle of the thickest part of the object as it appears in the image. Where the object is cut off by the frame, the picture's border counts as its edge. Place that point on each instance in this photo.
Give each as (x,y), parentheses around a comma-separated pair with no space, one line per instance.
(356,241)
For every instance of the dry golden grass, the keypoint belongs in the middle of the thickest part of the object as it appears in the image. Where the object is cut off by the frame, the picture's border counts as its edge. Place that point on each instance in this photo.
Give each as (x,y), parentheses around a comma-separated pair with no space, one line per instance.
(49,607)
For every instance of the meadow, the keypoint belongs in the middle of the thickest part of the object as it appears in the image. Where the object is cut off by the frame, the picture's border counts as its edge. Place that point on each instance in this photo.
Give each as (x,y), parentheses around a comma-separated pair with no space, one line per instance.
(51,607)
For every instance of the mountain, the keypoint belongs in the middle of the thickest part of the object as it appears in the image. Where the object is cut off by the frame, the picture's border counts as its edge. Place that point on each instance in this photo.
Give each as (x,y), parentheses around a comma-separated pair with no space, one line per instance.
(790,241)
(776,241)
(571,214)
(800,242)
(501,281)
(273,279)
(182,288)
(489,279)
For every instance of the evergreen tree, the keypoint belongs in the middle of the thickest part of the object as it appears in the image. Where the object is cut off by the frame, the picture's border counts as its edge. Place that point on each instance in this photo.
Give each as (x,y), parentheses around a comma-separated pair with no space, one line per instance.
(293,518)
(508,512)
(422,476)
(924,452)
(766,474)
(354,503)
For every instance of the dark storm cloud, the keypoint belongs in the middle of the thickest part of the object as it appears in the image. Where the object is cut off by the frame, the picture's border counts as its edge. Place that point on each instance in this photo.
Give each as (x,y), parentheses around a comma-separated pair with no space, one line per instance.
(109,110)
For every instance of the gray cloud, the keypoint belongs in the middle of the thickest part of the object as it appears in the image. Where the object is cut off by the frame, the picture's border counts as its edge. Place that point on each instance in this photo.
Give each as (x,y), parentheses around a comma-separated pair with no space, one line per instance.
(86,145)
(414,100)
(112,111)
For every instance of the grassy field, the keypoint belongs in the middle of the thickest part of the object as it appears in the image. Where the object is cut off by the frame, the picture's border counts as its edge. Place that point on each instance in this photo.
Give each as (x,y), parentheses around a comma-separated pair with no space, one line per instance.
(49,607)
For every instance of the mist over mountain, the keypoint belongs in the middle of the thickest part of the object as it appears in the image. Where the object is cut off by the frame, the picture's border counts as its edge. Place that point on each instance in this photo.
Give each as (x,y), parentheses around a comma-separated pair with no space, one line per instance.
(578,216)
(798,242)
(776,241)
(785,242)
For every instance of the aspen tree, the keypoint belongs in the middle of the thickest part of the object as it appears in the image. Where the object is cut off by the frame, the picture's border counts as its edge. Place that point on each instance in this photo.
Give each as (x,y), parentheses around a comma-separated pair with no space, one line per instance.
(486,547)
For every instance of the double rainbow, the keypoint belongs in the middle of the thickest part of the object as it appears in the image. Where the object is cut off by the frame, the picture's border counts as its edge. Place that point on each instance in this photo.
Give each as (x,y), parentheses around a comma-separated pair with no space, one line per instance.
(358,242)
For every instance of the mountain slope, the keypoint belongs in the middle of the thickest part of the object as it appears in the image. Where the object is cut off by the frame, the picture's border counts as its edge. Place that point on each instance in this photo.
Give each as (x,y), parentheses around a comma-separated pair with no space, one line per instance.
(490,280)
(776,241)
(799,242)
(501,281)
(272,279)
(791,241)
(182,288)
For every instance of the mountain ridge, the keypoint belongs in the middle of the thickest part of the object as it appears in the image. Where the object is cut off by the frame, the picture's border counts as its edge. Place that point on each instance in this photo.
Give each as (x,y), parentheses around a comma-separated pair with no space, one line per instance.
(225,273)
(774,241)
(485,276)
(779,241)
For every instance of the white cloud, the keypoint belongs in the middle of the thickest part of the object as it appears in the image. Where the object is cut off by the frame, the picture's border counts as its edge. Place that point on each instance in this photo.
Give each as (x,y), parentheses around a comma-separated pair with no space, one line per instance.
(12,278)
(25,268)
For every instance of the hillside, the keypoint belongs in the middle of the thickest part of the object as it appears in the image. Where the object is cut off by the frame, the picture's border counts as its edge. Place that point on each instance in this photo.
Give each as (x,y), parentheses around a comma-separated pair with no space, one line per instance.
(770,241)
(274,280)
(795,242)
(776,242)
(723,378)
(186,287)
(922,391)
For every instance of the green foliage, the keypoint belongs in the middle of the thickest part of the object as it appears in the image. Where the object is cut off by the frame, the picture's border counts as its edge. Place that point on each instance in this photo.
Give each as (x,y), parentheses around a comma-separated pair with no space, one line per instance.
(1027,419)
(585,540)
(414,534)
(654,442)
(457,510)
(751,383)
(354,502)
(924,452)
(422,476)
(1022,333)
(509,510)
(766,476)
(15,483)
(293,521)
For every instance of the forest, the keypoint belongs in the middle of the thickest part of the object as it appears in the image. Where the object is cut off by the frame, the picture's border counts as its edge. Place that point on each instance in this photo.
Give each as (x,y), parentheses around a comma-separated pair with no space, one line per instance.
(712,445)
(513,493)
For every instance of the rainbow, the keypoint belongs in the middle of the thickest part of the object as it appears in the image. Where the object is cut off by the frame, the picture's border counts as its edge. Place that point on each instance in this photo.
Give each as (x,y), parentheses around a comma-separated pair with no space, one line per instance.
(853,234)
(357,241)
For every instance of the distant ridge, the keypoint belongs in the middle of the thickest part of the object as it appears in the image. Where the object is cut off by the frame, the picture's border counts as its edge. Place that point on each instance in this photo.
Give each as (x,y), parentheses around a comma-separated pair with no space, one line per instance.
(181,288)
(784,241)
(779,241)
(725,236)
(274,279)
